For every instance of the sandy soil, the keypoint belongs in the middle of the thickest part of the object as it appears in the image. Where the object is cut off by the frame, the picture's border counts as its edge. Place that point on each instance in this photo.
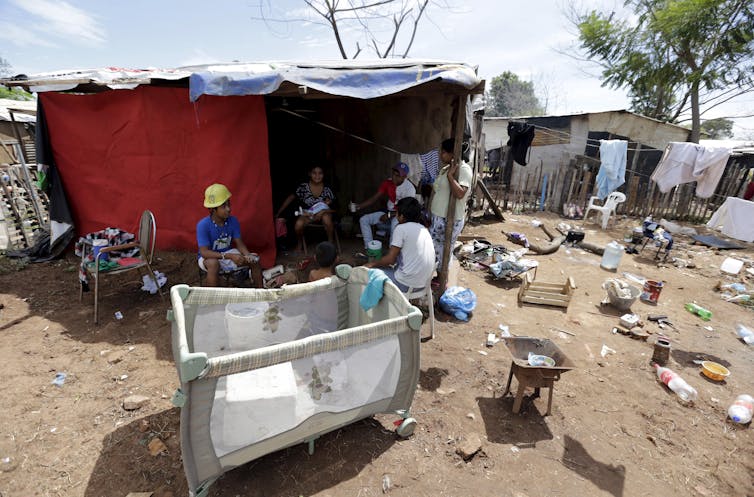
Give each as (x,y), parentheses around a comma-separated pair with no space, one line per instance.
(614,430)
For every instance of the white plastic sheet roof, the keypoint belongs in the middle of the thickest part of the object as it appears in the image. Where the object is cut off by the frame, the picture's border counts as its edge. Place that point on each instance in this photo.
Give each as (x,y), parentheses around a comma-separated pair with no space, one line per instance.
(349,78)
(30,105)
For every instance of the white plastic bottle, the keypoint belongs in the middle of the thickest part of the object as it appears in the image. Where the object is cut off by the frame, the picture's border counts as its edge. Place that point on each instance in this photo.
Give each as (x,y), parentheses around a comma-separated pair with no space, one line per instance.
(686,392)
(742,408)
(745,333)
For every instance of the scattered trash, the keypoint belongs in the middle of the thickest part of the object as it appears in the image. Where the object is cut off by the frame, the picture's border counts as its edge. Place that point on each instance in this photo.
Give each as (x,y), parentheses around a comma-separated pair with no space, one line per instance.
(515,449)
(741,410)
(651,291)
(731,265)
(458,301)
(611,256)
(715,371)
(661,352)
(482,352)
(504,331)
(59,379)
(709,328)
(629,320)
(541,360)
(699,311)
(386,484)
(745,334)
(606,351)
(149,285)
(492,339)
(635,278)
(685,392)
(118,315)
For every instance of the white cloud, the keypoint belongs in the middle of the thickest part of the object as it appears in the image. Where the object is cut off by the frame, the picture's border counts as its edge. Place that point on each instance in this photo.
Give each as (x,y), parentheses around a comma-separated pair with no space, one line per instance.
(64,20)
(21,37)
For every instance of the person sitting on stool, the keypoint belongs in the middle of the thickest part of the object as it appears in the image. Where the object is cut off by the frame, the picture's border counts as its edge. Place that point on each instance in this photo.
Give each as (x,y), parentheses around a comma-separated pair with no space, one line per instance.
(395,188)
(214,235)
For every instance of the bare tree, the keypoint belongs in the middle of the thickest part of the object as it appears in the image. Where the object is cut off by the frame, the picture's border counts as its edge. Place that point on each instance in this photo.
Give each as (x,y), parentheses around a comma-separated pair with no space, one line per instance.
(388,27)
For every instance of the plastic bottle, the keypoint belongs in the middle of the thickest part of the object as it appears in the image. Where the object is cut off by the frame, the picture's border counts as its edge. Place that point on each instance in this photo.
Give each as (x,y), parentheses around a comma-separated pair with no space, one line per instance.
(699,311)
(745,333)
(742,408)
(686,392)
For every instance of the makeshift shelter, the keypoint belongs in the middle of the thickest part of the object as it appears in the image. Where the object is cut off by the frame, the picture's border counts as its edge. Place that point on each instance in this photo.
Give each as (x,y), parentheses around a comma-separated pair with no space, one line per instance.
(127,140)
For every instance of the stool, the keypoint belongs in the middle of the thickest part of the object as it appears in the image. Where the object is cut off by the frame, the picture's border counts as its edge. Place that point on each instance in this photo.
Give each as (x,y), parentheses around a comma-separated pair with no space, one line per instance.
(531,377)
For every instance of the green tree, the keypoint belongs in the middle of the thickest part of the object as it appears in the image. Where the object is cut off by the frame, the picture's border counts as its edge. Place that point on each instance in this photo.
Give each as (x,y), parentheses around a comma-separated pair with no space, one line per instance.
(509,96)
(675,56)
(718,129)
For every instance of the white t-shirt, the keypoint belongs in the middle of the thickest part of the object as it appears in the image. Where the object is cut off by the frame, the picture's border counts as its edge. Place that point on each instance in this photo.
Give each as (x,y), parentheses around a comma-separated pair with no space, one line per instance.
(417,257)
(405,189)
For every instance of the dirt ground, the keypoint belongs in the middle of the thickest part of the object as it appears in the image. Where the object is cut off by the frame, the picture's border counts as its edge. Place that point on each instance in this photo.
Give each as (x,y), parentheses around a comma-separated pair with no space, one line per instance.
(614,430)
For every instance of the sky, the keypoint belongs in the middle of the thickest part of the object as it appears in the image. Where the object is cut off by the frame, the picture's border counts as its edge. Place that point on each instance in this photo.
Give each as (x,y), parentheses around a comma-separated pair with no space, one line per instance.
(527,38)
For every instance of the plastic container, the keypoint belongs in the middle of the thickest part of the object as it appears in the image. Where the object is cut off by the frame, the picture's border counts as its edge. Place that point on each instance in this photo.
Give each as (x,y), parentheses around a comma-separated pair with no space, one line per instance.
(742,409)
(699,311)
(98,245)
(746,334)
(685,392)
(629,320)
(374,250)
(731,265)
(715,371)
(612,255)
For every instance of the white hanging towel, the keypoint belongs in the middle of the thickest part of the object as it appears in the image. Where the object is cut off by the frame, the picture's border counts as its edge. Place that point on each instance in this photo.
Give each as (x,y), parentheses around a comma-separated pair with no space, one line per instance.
(612,173)
(686,162)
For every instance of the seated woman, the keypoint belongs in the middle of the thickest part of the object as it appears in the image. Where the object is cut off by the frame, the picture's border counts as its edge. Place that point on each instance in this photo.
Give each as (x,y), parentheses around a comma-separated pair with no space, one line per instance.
(309,195)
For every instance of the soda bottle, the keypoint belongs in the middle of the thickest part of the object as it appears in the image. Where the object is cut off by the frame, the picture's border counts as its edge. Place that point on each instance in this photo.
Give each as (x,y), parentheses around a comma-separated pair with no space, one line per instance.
(699,311)
(686,392)
(745,333)
(741,409)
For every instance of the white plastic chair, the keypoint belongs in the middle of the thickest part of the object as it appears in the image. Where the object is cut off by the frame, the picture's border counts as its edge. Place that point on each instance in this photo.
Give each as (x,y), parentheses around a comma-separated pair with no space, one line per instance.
(424,292)
(607,208)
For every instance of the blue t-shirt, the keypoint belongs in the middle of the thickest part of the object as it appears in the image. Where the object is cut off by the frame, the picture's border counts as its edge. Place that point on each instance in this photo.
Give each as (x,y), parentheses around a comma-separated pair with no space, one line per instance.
(217,238)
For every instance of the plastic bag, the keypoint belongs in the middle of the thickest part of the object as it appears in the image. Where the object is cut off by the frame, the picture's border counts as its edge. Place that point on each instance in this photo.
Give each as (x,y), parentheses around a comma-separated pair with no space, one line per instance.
(458,301)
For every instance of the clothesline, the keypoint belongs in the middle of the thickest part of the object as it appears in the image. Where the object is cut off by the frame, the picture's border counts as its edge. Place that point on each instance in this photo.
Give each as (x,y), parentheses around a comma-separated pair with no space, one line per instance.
(593,141)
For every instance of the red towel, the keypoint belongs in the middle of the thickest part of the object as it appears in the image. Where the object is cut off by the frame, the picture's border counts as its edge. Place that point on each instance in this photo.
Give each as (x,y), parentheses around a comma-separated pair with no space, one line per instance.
(128,261)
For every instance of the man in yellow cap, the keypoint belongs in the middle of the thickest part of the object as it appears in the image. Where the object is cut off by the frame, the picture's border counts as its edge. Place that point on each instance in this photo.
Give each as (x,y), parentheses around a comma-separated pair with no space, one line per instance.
(215,234)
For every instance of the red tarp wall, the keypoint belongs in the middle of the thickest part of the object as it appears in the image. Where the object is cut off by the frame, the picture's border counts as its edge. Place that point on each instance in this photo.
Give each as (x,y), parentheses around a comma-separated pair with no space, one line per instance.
(122,151)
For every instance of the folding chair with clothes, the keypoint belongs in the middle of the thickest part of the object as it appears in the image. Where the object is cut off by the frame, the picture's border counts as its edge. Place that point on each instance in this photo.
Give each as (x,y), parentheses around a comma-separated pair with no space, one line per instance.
(145,241)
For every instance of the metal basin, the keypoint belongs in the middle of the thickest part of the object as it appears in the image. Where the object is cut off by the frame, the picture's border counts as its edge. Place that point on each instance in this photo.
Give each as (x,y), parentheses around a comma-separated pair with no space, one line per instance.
(519,348)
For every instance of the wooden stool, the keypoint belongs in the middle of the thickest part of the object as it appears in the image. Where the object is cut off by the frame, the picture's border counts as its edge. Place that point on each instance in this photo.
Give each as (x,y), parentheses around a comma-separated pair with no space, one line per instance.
(531,377)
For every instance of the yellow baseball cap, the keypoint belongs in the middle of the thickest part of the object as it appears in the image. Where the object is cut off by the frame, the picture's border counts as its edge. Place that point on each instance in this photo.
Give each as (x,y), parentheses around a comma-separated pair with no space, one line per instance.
(216,195)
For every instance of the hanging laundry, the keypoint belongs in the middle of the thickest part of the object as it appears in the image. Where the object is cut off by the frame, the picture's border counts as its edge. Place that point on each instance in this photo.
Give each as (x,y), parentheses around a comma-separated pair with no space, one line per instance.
(521,135)
(612,173)
(686,162)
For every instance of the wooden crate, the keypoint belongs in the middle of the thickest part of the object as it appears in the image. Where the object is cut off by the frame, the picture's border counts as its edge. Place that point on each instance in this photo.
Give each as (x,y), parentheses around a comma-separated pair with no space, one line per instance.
(556,294)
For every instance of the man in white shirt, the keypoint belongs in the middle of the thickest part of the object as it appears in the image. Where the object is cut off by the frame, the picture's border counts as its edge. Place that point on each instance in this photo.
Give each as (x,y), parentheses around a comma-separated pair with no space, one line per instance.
(411,248)
(395,188)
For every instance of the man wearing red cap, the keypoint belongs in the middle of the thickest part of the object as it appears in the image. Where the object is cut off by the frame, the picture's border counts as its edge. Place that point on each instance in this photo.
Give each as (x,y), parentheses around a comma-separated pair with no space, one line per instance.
(394,188)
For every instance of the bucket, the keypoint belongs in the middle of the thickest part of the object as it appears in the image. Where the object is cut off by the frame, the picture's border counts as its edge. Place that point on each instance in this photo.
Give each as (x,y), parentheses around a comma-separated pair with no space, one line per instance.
(374,249)
(98,245)
(612,255)
(244,324)
(651,293)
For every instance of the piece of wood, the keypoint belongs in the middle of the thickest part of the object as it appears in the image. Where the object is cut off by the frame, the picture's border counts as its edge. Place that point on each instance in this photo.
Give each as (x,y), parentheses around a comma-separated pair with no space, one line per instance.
(489,198)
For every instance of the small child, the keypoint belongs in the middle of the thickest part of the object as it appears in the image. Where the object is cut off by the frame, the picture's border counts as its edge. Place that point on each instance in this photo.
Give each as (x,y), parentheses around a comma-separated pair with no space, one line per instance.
(327,257)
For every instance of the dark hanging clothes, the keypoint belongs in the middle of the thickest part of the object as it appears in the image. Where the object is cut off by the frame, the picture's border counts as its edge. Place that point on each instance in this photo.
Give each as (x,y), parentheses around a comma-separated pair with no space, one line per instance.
(521,135)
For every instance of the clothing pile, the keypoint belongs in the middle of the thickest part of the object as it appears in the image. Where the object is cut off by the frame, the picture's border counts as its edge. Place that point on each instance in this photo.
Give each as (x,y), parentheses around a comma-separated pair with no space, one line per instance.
(114,237)
(511,264)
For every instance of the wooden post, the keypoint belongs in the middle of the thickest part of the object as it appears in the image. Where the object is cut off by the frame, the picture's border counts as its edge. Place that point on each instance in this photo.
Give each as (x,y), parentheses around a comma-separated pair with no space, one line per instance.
(460,121)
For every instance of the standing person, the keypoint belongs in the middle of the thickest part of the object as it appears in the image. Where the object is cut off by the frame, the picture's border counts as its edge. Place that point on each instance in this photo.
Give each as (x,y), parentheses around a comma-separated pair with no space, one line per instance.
(310,194)
(394,189)
(411,247)
(215,234)
(445,187)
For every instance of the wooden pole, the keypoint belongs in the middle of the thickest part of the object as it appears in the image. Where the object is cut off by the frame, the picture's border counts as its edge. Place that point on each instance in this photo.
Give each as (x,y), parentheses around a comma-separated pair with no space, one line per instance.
(460,121)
